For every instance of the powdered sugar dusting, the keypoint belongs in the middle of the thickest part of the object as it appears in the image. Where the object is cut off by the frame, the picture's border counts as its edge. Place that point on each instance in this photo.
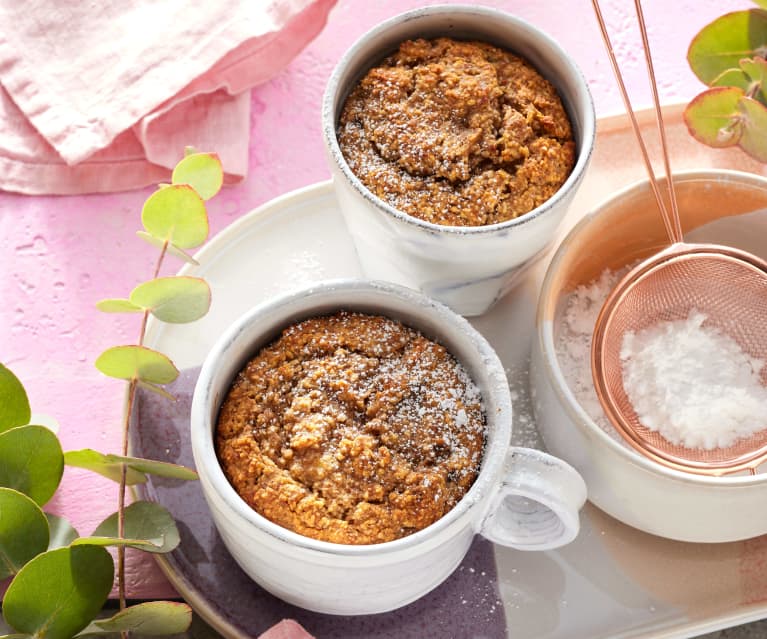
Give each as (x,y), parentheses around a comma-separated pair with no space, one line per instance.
(693,384)
(688,381)
(573,344)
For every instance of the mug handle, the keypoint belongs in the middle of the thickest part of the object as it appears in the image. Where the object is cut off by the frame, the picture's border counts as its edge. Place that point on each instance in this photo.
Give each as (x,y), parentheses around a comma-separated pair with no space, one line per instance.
(536,506)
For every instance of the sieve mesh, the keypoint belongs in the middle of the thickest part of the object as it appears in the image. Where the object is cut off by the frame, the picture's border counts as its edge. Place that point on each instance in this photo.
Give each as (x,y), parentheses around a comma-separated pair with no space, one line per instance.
(730,289)
(728,286)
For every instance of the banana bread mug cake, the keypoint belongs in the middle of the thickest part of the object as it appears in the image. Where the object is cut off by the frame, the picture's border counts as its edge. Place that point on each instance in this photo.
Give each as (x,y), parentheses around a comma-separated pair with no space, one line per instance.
(353,429)
(457,133)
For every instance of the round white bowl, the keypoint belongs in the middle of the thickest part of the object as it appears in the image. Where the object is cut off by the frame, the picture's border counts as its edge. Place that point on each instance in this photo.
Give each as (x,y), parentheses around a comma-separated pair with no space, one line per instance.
(467,268)
(620,481)
(521,497)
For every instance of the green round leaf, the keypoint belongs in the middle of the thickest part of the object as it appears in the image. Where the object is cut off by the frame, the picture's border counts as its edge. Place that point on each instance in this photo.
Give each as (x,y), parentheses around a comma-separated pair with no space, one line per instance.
(14,405)
(157,389)
(713,117)
(733,78)
(137,362)
(117,306)
(145,521)
(161,469)
(756,70)
(150,618)
(97,540)
(62,533)
(176,214)
(173,299)
(109,466)
(23,531)
(58,593)
(721,44)
(754,138)
(31,462)
(203,171)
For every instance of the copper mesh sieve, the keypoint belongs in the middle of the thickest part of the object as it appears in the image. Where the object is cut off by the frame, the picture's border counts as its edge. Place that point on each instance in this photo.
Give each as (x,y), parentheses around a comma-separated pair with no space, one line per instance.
(730,288)
(727,285)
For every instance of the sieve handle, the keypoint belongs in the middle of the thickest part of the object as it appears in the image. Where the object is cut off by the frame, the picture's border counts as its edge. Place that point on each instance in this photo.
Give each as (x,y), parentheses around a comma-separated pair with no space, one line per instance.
(536,505)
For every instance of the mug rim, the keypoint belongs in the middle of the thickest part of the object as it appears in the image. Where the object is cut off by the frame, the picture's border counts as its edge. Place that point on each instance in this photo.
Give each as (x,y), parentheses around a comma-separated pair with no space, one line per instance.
(203,448)
(581,97)
(544,330)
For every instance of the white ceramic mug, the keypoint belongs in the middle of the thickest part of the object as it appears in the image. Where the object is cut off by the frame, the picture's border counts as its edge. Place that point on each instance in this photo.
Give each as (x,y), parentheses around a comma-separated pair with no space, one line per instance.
(521,498)
(468,268)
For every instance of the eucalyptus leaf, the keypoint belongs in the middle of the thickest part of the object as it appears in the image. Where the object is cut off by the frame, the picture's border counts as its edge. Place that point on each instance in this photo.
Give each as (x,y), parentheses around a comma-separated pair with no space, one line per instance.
(62,533)
(117,306)
(57,594)
(203,171)
(145,521)
(754,141)
(109,466)
(99,540)
(176,300)
(157,389)
(137,362)
(172,249)
(176,214)
(756,70)
(151,618)
(31,461)
(14,405)
(713,117)
(733,78)
(723,43)
(23,531)
(161,469)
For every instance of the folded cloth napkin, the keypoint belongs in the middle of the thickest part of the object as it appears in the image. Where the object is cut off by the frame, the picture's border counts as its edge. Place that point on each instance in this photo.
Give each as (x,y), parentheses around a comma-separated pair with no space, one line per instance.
(286,629)
(104,96)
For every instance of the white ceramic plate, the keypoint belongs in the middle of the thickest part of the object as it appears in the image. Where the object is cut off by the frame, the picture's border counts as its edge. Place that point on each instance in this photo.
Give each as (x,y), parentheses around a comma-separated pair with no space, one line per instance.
(613,581)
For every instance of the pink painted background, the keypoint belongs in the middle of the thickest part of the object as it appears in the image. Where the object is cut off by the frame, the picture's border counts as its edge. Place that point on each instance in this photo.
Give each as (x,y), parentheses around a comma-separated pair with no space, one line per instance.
(59,255)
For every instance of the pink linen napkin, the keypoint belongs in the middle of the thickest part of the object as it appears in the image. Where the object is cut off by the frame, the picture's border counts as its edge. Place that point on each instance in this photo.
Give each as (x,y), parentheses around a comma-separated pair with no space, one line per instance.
(286,629)
(103,96)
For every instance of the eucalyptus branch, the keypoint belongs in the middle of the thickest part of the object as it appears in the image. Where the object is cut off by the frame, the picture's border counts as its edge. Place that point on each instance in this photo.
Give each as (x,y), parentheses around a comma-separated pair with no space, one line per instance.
(60,580)
(728,55)
(132,389)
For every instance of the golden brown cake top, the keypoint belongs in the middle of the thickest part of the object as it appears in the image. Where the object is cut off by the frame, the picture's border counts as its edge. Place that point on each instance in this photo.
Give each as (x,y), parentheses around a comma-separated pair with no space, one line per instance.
(352,429)
(457,133)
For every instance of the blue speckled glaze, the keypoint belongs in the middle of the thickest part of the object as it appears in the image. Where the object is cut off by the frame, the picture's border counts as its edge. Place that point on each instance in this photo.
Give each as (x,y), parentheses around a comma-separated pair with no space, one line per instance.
(466,606)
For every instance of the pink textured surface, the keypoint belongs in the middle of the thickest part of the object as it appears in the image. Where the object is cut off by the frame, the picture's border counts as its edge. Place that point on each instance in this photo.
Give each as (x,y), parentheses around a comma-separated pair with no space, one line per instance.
(59,255)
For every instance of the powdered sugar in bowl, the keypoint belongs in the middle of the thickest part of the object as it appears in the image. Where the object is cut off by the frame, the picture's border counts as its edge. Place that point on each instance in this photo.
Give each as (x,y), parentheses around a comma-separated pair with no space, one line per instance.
(521,497)
(726,207)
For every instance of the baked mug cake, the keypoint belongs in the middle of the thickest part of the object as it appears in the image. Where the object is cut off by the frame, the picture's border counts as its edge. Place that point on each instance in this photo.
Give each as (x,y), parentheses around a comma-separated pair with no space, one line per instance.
(457,137)
(352,428)
(457,133)
(307,426)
